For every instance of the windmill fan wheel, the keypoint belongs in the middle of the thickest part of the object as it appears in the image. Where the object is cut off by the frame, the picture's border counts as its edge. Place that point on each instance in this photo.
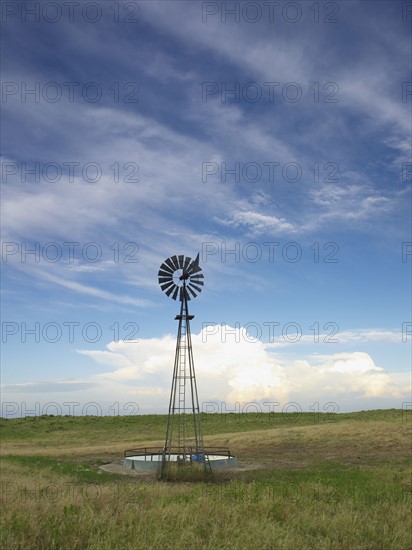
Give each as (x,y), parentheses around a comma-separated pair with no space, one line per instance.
(181,276)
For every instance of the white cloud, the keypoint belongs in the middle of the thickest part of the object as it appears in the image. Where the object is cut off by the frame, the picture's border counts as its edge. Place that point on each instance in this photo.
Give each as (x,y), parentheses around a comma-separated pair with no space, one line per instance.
(259,223)
(45,273)
(230,367)
(344,337)
(352,202)
(170,133)
(365,88)
(353,372)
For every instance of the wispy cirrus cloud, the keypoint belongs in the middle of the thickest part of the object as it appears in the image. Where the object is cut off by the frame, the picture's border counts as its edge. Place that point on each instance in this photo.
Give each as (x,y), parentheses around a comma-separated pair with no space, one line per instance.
(259,223)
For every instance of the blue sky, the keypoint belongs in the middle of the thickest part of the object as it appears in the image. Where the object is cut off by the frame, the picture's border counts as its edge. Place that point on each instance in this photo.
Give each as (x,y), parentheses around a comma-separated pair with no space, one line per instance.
(274,143)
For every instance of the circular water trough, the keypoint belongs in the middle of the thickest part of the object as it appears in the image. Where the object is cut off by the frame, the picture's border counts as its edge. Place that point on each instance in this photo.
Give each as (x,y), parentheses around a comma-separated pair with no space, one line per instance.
(151,460)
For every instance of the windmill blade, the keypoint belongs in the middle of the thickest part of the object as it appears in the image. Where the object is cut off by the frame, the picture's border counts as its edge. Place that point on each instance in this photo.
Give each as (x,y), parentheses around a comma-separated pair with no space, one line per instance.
(175,292)
(166,285)
(196,276)
(193,293)
(166,267)
(185,294)
(175,262)
(196,282)
(181,262)
(165,274)
(197,288)
(163,280)
(169,264)
(186,264)
(169,292)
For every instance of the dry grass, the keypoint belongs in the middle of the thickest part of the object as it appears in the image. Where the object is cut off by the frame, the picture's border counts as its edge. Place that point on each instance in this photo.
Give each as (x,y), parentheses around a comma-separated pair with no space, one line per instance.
(342,484)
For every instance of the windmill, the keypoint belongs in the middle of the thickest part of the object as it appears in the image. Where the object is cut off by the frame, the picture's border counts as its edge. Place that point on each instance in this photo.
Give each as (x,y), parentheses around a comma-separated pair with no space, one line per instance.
(182,278)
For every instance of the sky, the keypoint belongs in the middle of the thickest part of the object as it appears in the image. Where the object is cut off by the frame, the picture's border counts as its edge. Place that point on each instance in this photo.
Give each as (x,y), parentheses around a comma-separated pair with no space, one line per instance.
(272,138)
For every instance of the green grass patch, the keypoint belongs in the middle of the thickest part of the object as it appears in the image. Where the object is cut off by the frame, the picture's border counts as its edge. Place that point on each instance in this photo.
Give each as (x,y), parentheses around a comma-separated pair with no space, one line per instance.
(56,430)
(339,481)
(82,472)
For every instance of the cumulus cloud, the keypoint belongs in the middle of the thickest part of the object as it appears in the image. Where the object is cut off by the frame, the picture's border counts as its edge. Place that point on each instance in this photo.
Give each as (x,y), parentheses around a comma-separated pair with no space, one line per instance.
(232,367)
(232,370)
(354,374)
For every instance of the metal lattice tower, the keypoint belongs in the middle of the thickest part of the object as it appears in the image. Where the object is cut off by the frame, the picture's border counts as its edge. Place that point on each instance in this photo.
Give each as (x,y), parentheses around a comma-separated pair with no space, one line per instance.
(180,276)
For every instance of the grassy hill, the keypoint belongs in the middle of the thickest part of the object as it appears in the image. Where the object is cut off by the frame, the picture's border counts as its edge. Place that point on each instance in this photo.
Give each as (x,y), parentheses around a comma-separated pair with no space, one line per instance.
(321,481)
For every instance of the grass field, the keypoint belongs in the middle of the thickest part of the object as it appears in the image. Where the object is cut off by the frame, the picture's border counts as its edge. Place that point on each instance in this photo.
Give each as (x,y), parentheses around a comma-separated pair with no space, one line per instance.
(305,481)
